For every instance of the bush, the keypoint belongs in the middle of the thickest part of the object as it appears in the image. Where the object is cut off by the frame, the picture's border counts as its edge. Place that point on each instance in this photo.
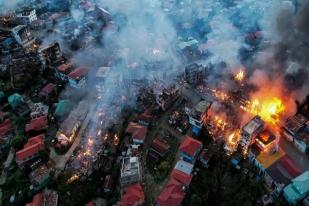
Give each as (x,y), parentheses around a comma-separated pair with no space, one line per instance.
(44,155)
(18,142)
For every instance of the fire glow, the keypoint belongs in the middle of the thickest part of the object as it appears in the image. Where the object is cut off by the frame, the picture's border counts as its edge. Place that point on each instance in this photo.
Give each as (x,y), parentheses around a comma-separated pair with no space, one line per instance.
(240,75)
(232,141)
(269,109)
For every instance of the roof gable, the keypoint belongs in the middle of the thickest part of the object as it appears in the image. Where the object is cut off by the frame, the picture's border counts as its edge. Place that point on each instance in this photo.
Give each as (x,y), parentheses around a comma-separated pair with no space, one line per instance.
(190,146)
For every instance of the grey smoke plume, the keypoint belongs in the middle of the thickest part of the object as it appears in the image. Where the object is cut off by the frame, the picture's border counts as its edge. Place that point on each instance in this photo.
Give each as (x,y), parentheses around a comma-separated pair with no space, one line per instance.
(288,57)
(9,4)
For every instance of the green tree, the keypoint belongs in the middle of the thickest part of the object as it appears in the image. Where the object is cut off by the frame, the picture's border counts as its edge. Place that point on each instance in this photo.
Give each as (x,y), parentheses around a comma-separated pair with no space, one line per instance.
(44,155)
(18,142)
(195,200)
(20,123)
(164,168)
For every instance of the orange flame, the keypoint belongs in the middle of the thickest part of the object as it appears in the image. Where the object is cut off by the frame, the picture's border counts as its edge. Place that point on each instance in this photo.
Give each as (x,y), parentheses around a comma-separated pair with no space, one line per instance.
(269,109)
(240,75)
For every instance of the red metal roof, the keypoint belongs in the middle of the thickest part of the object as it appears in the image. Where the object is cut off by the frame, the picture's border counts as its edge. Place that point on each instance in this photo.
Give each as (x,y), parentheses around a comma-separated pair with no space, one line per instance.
(78,73)
(181,176)
(32,147)
(90,204)
(37,200)
(146,116)
(160,146)
(49,88)
(37,124)
(172,194)
(65,67)
(190,146)
(5,127)
(137,131)
(133,195)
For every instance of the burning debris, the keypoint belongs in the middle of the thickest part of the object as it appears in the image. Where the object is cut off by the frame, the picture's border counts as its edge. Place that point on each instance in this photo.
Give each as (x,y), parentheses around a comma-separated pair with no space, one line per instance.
(240,75)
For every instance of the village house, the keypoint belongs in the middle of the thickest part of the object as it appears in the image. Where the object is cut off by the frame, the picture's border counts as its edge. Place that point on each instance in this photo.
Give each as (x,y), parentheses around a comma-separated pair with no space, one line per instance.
(18,33)
(132,195)
(197,114)
(130,171)
(37,125)
(138,132)
(249,131)
(145,118)
(194,74)
(50,55)
(298,189)
(182,172)
(63,70)
(172,194)
(189,149)
(158,149)
(38,110)
(30,150)
(292,126)
(48,90)
(26,15)
(78,78)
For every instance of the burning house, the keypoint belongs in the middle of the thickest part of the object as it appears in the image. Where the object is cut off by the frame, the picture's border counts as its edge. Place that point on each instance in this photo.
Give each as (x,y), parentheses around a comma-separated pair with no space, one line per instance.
(69,128)
(249,131)
(130,171)
(197,115)
(266,141)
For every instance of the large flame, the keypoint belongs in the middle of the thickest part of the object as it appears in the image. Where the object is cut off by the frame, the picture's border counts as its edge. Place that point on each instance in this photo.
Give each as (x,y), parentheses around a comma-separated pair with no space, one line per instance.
(269,109)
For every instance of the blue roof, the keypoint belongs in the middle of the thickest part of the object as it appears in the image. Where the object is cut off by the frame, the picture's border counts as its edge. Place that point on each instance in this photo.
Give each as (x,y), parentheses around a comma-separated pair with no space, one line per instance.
(234,162)
(298,189)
